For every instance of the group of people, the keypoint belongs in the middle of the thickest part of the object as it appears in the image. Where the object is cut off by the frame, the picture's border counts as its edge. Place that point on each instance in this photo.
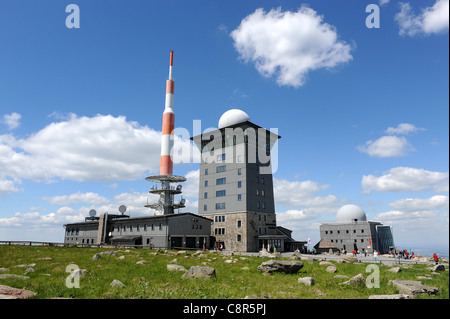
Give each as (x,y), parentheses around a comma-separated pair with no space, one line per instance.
(405,254)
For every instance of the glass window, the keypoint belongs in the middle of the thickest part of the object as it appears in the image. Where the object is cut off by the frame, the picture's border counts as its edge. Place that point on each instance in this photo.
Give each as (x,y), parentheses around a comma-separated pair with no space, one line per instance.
(239,184)
(220,169)
(239,171)
(239,197)
(220,205)
(221,193)
(221,181)
(206,183)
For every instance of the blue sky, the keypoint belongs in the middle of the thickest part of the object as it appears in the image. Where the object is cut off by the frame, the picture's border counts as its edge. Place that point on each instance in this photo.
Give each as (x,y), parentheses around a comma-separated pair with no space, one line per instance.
(363,112)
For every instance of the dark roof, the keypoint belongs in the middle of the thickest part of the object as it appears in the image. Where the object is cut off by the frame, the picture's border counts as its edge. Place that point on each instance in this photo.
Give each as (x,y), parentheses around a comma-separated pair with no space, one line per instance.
(325,243)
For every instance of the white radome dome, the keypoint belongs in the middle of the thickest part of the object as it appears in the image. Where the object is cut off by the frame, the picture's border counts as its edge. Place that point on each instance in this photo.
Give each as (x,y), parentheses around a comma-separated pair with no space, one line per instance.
(233,116)
(350,213)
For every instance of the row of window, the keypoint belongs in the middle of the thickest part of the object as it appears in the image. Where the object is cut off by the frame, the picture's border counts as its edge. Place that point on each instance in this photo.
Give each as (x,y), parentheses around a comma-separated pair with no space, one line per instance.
(223,192)
(341,240)
(346,231)
(138,227)
(220,206)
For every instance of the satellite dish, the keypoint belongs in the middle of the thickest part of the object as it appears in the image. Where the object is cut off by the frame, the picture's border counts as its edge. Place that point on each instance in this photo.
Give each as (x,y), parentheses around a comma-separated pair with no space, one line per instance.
(92,212)
(182,201)
(122,209)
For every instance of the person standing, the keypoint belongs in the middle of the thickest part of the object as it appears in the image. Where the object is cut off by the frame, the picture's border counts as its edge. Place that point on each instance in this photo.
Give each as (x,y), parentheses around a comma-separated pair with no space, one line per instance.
(436,258)
(375,256)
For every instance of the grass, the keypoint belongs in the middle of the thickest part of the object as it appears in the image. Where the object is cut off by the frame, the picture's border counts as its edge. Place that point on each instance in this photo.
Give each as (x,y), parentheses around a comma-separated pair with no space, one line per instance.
(152,280)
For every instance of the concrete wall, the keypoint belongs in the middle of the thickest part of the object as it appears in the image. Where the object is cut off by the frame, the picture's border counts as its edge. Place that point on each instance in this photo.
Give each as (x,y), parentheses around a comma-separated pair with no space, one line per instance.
(348,235)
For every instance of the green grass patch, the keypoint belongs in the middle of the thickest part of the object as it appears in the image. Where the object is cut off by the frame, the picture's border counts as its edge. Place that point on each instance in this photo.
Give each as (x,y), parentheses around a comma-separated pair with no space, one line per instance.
(152,280)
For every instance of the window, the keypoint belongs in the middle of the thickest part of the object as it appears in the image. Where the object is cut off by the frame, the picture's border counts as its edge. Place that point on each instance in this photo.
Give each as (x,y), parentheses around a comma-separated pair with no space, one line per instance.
(257,192)
(240,158)
(263,205)
(131,228)
(263,193)
(206,171)
(238,238)
(160,226)
(257,179)
(205,207)
(221,181)
(153,227)
(239,184)
(220,169)
(138,227)
(258,205)
(239,224)
(145,227)
(221,193)
(205,195)
(220,205)
(239,197)
(262,180)
(221,157)
(219,231)
(206,183)
(362,231)
(239,171)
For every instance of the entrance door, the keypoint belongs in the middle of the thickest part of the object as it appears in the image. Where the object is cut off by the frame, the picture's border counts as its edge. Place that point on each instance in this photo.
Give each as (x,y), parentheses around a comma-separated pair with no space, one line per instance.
(176,242)
(190,242)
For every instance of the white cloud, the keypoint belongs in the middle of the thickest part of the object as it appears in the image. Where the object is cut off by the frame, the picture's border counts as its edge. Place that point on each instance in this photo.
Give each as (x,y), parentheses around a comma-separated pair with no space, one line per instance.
(417,204)
(12,120)
(383,2)
(431,20)
(88,198)
(406,179)
(391,146)
(403,129)
(99,148)
(289,44)
(386,146)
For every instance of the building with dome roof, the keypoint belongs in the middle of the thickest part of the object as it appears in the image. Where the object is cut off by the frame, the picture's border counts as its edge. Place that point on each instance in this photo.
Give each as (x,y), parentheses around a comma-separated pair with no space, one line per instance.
(236,186)
(352,231)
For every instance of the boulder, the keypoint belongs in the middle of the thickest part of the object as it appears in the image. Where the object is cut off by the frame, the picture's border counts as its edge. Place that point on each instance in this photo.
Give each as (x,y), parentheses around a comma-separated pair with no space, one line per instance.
(4,276)
(96,257)
(200,272)
(347,259)
(413,288)
(116,283)
(80,272)
(141,262)
(359,278)
(398,296)
(173,267)
(331,269)
(7,292)
(438,268)
(326,263)
(395,269)
(109,252)
(309,281)
(286,266)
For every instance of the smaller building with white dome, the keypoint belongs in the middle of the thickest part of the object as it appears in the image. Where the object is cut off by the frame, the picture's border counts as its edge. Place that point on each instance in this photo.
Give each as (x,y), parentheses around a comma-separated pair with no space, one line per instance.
(353,232)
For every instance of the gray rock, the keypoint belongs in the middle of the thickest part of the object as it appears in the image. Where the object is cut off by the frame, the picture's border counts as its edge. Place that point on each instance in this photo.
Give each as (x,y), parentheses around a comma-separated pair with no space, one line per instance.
(413,288)
(80,272)
(359,278)
(286,266)
(4,269)
(45,258)
(96,257)
(398,296)
(438,268)
(172,267)
(326,263)
(309,281)
(395,269)
(109,253)
(7,292)
(331,269)
(5,276)
(200,272)
(141,262)
(347,259)
(116,283)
